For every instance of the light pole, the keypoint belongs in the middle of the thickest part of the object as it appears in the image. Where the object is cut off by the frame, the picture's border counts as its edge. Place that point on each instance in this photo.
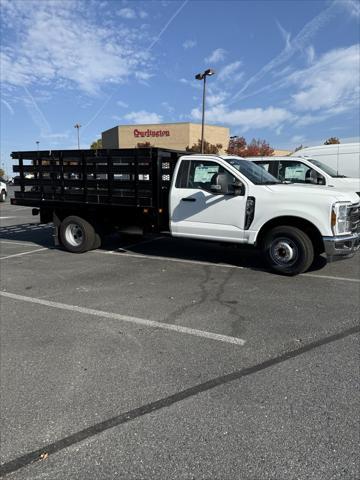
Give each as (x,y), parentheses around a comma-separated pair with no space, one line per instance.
(202,76)
(37,145)
(77,126)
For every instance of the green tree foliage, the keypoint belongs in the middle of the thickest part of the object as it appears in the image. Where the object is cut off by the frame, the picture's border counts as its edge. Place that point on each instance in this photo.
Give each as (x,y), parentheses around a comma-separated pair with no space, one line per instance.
(2,173)
(256,148)
(332,141)
(96,145)
(208,147)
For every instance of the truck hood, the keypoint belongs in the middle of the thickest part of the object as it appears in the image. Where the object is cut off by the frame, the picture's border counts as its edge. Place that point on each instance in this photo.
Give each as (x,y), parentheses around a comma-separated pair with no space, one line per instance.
(332,194)
(346,184)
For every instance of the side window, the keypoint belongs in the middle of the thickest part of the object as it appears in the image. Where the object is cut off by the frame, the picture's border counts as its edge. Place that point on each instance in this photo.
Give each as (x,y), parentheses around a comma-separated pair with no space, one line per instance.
(203,174)
(294,172)
(264,165)
(298,172)
(183,173)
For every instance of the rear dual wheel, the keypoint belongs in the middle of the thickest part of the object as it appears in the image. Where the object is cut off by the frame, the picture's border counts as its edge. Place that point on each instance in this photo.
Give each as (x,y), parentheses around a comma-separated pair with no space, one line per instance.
(288,250)
(78,235)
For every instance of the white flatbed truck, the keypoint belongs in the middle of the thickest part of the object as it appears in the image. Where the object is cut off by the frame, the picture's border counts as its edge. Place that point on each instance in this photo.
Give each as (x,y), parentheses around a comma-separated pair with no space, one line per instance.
(86,193)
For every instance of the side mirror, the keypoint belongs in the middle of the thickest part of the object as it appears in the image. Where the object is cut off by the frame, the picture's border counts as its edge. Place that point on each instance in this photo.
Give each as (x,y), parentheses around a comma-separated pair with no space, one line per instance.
(238,188)
(222,186)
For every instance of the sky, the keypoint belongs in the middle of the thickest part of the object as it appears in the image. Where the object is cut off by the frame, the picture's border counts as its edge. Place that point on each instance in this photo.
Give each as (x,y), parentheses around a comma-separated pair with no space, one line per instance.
(286,71)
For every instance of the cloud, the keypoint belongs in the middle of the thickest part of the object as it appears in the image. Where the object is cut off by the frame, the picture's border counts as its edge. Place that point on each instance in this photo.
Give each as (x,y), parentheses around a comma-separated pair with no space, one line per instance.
(271,117)
(286,35)
(166,26)
(127,13)
(216,56)
(298,44)
(122,104)
(310,54)
(331,84)
(143,76)
(214,99)
(298,139)
(230,72)
(352,6)
(49,50)
(142,116)
(189,44)
(168,107)
(8,106)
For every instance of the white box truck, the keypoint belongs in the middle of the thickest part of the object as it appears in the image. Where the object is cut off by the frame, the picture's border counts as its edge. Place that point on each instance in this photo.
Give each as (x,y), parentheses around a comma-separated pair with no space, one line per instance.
(344,158)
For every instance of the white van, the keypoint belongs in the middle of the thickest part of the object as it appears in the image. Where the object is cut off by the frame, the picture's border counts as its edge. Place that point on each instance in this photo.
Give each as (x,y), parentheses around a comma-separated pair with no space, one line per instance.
(305,170)
(344,158)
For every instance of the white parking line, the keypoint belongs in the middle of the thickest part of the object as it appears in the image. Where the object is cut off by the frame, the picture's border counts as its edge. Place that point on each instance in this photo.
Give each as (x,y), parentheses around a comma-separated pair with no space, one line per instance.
(166,259)
(17,243)
(221,265)
(330,277)
(125,318)
(24,253)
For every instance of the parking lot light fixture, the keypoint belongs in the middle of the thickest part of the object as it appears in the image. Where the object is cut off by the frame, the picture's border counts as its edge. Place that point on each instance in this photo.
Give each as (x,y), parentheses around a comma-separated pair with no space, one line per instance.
(202,76)
(77,126)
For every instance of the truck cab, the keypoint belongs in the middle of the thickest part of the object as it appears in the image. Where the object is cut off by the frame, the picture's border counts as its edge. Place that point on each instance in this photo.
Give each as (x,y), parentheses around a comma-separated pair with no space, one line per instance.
(230,199)
(307,171)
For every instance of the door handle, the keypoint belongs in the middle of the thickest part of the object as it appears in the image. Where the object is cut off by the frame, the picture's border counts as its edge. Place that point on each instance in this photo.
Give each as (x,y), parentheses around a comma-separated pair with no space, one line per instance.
(188,199)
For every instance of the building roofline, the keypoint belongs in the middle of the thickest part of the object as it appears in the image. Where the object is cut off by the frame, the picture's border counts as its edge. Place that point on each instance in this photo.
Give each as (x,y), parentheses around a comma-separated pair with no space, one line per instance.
(167,123)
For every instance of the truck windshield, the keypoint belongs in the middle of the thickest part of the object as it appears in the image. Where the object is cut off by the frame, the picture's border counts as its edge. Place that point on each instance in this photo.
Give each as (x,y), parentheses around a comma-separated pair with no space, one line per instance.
(330,171)
(258,175)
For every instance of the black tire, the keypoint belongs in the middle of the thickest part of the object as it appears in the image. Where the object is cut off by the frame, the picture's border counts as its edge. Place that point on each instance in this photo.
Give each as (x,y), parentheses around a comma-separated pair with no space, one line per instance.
(288,250)
(77,235)
(97,241)
(2,196)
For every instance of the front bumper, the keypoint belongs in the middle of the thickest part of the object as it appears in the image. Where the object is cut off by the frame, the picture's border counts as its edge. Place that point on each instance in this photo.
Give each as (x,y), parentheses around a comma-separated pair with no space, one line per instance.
(341,245)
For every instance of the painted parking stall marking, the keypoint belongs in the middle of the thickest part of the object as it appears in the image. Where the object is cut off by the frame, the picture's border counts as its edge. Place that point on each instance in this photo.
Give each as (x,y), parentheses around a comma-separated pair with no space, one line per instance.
(125,318)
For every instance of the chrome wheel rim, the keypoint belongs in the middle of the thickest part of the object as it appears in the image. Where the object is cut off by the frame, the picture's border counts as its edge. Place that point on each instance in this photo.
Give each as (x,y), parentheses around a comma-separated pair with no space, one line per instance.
(284,251)
(74,234)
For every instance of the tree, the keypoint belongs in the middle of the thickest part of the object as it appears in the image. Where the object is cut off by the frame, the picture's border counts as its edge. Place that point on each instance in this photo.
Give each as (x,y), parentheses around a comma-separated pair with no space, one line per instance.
(256,148)
(237,146)
(96,145)
(208,147)
(2,173)
(300,147)
(332,141)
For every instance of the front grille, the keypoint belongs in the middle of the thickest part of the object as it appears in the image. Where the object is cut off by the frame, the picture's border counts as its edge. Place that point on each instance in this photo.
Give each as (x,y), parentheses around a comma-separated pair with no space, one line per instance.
(354,217)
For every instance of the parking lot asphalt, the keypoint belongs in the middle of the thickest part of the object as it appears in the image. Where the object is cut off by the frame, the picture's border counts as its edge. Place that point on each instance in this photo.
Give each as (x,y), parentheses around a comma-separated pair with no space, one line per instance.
(157,358)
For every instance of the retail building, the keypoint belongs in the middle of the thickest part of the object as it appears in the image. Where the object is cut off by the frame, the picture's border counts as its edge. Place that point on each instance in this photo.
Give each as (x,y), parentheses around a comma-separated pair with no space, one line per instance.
(176,136)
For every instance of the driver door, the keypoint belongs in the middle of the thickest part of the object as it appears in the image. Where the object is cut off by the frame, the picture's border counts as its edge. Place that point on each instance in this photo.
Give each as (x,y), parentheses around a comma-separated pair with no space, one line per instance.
(197,209)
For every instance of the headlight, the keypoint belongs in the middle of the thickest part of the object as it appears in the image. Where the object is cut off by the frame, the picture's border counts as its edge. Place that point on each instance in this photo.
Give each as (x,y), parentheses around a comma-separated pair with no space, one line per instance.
(340,218)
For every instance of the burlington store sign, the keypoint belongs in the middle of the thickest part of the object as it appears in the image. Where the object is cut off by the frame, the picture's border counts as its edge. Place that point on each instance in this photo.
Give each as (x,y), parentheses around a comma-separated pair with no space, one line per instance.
(151,133)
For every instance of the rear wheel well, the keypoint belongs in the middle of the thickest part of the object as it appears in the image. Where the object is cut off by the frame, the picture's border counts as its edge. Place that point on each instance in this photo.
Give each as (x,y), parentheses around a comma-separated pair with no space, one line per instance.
(307,227)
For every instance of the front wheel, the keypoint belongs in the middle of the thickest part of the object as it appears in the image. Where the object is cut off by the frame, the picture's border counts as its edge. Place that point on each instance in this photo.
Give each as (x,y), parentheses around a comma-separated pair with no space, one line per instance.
(288,250)
(2,196)
(77,235)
